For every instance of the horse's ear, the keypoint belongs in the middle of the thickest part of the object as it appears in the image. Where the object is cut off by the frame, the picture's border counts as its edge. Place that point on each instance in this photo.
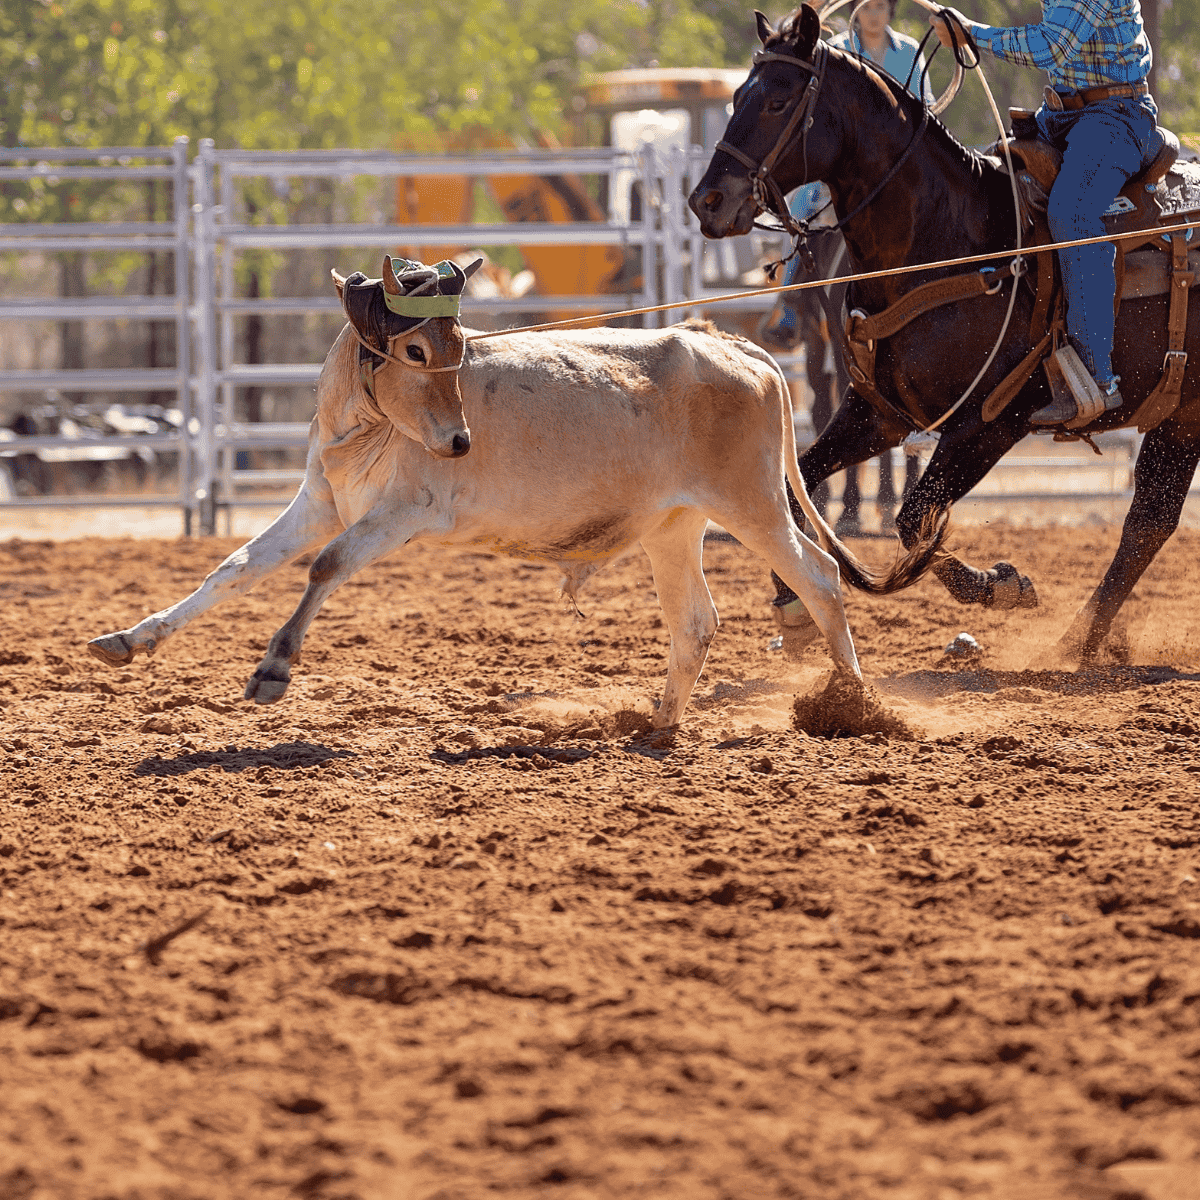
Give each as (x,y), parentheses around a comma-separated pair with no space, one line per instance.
(339,282)
(808,29)
(764,27)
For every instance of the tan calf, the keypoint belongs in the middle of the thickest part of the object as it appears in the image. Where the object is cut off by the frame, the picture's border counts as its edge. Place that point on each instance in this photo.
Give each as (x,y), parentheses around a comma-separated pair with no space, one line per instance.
(581,444)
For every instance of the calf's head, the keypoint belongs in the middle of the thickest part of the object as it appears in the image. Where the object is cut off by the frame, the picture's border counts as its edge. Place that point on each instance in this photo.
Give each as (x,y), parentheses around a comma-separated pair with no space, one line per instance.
(411,346)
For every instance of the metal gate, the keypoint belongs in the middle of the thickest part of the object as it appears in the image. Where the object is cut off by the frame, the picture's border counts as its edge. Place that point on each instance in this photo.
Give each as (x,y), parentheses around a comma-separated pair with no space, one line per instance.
(209,230)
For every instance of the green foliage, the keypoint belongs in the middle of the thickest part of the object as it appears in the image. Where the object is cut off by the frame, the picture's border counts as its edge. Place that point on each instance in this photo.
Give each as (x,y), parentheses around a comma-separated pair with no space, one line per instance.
(317,73)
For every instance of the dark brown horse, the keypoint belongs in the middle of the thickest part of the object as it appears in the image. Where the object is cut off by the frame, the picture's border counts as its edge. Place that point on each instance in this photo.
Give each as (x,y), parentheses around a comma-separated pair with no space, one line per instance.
(942,201)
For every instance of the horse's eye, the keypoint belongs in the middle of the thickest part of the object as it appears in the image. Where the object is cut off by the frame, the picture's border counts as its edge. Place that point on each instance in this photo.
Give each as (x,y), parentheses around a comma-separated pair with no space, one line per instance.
(776,104)
(416,354)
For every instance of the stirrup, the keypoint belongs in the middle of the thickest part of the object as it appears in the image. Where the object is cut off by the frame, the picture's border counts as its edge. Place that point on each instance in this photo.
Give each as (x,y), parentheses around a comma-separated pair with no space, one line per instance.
(1078,398)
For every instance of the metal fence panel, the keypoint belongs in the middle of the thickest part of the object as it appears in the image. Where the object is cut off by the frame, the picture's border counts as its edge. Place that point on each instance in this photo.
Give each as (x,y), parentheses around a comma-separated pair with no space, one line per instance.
(677,265)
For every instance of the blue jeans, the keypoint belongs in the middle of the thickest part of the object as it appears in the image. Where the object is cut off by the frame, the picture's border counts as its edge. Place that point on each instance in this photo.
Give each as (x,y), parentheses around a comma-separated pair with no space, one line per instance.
(1104,145)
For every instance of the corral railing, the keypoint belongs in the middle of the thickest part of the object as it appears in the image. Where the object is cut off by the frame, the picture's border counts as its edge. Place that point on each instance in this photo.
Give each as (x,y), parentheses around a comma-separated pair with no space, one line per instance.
(128,164)
(211,227)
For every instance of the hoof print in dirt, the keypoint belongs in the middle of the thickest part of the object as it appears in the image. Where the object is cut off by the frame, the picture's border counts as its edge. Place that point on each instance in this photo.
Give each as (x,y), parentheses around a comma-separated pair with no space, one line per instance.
(845,707)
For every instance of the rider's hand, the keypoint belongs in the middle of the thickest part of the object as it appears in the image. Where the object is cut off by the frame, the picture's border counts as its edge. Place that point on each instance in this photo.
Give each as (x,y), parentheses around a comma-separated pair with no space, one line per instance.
(942,28)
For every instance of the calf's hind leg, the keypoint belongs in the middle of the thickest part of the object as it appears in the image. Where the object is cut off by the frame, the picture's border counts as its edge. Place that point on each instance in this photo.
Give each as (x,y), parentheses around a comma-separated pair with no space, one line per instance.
(310,520)
(675,550)
(369,539)
(805,568)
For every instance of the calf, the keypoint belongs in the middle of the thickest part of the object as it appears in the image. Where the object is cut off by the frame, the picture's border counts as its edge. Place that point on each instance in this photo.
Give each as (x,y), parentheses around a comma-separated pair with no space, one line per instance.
(580,444)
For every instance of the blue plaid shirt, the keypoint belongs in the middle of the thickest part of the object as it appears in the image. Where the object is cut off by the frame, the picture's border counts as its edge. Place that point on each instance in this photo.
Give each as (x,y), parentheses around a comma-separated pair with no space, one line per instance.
(1079,44)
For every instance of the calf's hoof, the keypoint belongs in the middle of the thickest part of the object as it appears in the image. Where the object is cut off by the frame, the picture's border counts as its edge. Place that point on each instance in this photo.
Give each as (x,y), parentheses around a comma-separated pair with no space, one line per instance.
(1011,589)
(115,649)
(264,690)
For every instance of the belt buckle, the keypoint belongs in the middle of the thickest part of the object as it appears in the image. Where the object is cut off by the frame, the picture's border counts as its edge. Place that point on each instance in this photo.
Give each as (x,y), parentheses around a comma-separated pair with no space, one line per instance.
(1053,99)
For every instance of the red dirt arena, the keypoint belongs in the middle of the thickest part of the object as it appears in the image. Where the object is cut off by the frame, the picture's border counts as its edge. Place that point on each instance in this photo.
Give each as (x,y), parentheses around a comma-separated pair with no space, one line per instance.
(449,921)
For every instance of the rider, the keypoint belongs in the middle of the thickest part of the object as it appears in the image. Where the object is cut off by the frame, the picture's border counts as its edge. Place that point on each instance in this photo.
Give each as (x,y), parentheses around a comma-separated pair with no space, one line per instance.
(874,40)
(1099,113)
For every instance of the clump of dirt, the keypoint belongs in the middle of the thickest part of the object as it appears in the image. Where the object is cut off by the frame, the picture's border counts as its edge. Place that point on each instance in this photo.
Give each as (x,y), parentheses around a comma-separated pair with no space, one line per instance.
(844,708)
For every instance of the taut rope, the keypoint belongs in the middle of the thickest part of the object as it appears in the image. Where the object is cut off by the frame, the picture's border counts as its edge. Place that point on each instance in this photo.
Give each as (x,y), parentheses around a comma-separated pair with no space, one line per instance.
(701,302)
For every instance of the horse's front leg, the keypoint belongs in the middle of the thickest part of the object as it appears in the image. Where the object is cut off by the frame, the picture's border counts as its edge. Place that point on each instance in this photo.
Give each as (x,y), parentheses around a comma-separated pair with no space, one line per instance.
(963,457)
(1160,485)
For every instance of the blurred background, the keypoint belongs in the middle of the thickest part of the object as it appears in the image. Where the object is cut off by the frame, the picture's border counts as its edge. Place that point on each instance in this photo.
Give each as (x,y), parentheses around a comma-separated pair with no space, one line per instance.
(483,114)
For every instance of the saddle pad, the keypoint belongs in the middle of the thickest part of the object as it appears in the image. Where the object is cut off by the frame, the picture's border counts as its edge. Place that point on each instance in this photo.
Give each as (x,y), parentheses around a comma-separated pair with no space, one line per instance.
(1147,272)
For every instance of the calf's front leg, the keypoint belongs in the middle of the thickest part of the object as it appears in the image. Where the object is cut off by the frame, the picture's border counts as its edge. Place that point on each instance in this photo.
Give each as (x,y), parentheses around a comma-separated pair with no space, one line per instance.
(384,529)
(309,521)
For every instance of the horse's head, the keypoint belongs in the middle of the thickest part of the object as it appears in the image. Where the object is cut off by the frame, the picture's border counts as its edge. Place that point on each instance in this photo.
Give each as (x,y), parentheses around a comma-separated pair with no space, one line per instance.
(407,322)
(773,111)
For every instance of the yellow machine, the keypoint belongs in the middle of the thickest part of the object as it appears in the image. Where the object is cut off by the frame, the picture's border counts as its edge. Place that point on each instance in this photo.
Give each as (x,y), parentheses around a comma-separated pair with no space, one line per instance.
(666,106)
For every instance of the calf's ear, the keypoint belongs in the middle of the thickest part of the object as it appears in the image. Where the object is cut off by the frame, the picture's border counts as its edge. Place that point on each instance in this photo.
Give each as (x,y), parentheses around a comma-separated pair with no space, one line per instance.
(358,294)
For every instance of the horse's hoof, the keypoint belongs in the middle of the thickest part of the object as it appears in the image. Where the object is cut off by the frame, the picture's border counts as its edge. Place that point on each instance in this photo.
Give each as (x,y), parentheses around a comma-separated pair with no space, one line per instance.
(265,691)
(1011,589)
(797,629)
(112,649)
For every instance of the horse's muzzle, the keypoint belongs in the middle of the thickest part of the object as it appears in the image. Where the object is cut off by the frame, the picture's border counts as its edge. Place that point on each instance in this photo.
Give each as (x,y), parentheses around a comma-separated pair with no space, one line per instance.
(720,214)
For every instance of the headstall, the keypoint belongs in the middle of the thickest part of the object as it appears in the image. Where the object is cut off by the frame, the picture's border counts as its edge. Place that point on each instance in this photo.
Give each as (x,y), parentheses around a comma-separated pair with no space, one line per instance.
(766,191)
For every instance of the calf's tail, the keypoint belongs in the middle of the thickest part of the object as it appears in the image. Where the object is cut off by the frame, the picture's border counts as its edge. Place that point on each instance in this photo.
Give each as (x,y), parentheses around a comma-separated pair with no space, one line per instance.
(906,570)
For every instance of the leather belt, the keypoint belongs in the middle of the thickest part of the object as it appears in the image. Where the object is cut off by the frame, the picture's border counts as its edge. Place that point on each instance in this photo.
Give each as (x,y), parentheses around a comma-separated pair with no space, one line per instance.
(1074,101)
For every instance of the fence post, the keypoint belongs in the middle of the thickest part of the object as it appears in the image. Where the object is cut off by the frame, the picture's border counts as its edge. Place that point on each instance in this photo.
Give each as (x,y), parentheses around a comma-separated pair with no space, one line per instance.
(183,369)
(202,499)
(650,205)
(673,232)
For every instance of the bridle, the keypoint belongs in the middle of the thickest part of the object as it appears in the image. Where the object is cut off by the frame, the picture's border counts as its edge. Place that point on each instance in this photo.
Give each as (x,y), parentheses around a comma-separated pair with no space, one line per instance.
(766,191)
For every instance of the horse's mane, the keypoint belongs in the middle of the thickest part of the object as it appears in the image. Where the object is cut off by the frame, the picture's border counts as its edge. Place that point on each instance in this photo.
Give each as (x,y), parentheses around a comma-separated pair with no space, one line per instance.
(978,165)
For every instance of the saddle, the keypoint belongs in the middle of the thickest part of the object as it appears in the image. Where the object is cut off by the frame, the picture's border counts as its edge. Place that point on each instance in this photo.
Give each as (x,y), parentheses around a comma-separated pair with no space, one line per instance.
(1165,192)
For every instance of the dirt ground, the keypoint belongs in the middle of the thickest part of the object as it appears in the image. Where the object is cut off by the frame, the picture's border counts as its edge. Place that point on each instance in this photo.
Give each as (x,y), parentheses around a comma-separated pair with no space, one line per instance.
(448,922)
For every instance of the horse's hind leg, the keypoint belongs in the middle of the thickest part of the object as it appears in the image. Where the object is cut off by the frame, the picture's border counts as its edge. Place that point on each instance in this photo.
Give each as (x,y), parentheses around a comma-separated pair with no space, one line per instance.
(957,465)
(1161,480)
(675,550)
(309,521)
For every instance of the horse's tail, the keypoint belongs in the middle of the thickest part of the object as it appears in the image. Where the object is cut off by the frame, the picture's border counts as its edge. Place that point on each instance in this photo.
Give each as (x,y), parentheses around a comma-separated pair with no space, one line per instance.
(905,571)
